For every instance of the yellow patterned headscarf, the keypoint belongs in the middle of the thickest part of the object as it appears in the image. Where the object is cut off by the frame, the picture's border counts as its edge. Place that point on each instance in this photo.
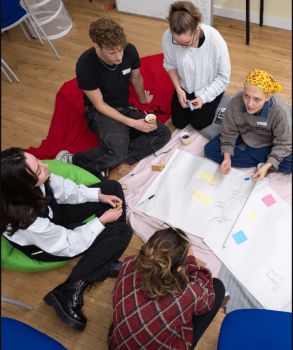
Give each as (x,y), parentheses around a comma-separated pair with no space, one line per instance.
(264,81)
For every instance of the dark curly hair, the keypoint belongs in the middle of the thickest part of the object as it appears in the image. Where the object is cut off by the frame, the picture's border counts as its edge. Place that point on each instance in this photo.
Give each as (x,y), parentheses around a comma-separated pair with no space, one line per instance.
(21,202)
(183,17)
(107,34)
(158,262)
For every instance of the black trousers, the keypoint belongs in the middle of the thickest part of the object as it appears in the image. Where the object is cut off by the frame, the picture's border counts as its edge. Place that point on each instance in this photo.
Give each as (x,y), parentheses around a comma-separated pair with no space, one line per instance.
(119,143)
(109,245)
(199,118)
(201,323)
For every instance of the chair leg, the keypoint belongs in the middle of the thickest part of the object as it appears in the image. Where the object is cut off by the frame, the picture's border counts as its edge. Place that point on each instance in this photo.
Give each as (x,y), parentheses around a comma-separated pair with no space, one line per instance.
(34,29)
(29,23)
(17,302)
(45,36)
(5,73)
(33,21)
(10,71)
(25,32)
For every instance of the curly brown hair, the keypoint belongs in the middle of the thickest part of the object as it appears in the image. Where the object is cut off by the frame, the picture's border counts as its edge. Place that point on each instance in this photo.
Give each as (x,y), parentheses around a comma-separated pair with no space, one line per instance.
(183,17)
(158,261)
(107,34)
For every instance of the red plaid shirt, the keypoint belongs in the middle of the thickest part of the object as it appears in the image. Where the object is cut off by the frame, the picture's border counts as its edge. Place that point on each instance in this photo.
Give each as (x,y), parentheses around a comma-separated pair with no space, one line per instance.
(142,323)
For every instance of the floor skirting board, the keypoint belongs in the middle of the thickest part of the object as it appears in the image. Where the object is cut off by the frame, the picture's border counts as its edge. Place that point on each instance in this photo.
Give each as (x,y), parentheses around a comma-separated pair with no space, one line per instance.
(271,21)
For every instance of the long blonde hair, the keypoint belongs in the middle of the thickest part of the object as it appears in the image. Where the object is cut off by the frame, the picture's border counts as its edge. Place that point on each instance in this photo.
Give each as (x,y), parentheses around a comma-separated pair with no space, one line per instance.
(158,262)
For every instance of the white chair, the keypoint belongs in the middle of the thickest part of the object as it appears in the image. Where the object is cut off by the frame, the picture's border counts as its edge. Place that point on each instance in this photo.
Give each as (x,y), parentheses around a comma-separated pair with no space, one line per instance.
(17,302)
(5,68)
(12,14)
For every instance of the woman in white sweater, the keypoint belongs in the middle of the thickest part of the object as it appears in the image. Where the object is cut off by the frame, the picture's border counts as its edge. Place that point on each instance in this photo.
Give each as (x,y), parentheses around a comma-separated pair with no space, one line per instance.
(42,215)
(197,60)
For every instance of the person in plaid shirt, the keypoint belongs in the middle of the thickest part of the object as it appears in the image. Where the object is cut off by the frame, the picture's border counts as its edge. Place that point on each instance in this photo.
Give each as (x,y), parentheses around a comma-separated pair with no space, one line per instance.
(163,299)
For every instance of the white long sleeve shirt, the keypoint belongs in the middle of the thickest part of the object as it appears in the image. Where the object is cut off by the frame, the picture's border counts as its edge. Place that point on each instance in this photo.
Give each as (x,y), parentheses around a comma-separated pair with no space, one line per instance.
(204,70)
(55,239)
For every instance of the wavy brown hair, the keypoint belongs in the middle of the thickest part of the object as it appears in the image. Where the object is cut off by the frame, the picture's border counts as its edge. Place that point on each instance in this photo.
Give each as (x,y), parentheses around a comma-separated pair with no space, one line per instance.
(183,17)
(158,263)
(21,202)
(107,34)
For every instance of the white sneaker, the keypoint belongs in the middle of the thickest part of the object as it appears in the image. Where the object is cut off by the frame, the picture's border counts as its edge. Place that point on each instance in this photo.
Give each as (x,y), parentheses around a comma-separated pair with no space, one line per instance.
(64,156)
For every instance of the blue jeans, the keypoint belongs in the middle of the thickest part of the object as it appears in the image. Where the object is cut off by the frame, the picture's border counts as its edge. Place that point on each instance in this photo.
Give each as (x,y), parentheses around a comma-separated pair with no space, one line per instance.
(244,155)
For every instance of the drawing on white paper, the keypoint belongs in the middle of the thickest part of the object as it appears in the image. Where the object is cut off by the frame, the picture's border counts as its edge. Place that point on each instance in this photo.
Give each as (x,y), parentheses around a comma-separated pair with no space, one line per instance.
(204,200)
(275,279)
(220,214)
(259,250)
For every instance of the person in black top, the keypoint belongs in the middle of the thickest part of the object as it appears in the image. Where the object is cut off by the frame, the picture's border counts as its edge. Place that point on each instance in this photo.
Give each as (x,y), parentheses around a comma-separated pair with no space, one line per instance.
(104,73)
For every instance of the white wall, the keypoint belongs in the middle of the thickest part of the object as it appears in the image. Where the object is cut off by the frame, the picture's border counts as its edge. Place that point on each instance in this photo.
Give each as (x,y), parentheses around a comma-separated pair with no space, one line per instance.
(277,13)
(160,8)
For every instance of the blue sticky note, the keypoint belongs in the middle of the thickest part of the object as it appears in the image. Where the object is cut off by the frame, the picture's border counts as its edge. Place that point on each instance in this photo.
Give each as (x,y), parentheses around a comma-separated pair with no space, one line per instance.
(239,237)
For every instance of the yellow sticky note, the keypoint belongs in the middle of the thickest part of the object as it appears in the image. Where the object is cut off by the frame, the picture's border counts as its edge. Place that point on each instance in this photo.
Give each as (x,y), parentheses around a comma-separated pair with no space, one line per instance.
(203,198)
(206,177)
(251,216)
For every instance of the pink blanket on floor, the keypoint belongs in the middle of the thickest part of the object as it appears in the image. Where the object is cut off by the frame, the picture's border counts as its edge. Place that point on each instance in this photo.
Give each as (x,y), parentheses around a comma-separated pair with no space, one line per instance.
(141,177)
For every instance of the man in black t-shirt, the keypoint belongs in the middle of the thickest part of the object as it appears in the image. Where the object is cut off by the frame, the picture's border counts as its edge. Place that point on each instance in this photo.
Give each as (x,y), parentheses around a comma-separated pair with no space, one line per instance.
(104,73)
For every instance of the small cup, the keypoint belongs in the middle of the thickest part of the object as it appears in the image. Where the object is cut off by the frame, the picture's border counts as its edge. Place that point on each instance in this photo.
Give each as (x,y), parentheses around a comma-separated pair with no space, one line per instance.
(151,118)
(185,139)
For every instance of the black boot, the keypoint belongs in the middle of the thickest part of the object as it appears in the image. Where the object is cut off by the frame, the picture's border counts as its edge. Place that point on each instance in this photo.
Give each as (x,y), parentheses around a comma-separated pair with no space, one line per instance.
(67,301)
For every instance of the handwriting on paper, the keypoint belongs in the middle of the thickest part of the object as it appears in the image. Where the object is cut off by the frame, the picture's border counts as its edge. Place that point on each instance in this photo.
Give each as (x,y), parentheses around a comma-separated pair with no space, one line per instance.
(236,194)
(275,279)
(220,215)
(202,198)
(206,177)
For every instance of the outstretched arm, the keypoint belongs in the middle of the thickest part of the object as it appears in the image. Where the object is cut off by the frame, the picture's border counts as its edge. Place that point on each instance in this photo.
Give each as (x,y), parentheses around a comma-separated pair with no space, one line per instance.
(144,96)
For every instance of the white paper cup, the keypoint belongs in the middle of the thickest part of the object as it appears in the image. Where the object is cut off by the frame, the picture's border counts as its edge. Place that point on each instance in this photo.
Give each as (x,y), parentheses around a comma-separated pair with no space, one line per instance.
(185,139)
(151,118)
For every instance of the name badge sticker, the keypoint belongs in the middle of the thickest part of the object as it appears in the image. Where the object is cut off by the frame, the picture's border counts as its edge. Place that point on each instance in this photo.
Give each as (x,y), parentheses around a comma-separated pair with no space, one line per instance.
(126,71)
(262,123)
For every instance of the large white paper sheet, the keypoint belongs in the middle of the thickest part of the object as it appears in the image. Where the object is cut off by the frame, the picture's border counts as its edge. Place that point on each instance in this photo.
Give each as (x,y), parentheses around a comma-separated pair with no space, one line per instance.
(258,250)
(192,194)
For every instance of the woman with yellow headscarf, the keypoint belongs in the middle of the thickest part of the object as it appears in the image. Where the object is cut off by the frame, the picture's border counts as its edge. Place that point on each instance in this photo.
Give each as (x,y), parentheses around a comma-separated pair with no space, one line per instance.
(256,129)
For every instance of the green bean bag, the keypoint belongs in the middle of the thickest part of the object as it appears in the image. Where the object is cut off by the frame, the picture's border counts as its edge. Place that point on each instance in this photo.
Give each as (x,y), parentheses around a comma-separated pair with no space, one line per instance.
(14,259)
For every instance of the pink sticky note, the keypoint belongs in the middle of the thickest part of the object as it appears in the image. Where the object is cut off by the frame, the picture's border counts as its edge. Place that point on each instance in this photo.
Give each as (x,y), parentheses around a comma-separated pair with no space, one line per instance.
(268,200)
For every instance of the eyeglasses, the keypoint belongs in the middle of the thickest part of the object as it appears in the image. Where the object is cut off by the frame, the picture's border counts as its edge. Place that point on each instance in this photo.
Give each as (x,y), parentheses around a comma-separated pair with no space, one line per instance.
(184,45)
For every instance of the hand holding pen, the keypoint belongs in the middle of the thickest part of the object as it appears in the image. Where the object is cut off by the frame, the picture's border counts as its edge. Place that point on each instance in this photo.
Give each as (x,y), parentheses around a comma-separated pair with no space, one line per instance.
(195,104)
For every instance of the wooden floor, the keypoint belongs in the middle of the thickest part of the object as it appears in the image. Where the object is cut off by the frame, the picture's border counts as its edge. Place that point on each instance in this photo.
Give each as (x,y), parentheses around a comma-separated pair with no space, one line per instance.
(27,109)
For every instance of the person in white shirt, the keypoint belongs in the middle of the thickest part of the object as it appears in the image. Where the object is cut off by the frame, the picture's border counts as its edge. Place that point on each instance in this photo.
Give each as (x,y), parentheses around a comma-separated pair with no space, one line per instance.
(197,60)
(42,214)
